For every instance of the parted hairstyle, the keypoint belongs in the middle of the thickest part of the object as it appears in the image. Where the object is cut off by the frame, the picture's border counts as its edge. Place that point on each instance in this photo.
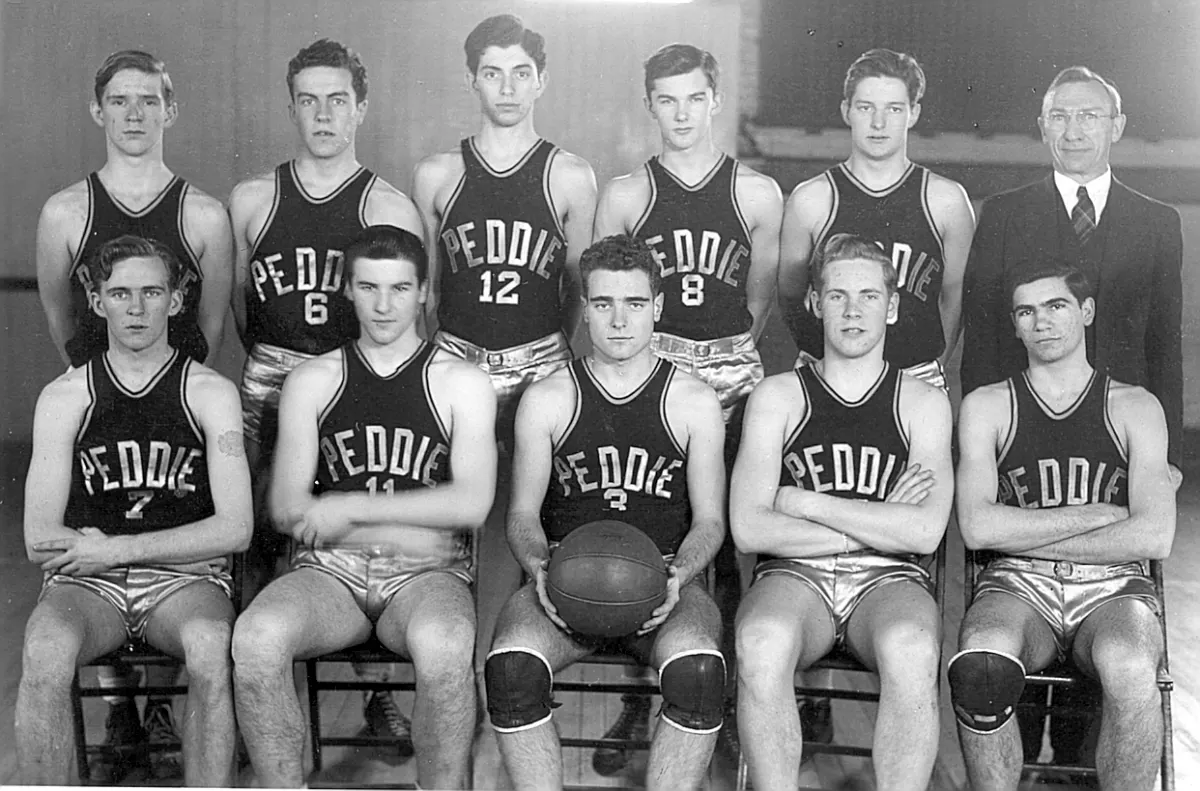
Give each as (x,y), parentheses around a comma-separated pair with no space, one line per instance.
(880,62)
(675,59)
(387,242)
(114,251)
(1030,272)
(326,52)
(620,253)
(504,30)
(846,247)
(138,61)
(1081,74)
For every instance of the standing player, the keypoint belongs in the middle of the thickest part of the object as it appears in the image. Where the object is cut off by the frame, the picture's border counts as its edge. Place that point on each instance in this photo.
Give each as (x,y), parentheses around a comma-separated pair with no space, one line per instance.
(624,404)
(843,480)
(133,193)
(506,215)
(137,493)
(1064,477)
(398,436)
(713,224)
(292,227)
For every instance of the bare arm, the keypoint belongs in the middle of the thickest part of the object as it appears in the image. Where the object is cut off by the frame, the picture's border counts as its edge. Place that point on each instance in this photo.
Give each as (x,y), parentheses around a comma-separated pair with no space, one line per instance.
(53,260)
(955,221)
(428,178)
(700,413)
(206,228)
(305,393)
(619,206)
(573,186)
(806,212)
(56,419)
(988,524)
(533,455)
(762,203)
(249,204)
(897,526)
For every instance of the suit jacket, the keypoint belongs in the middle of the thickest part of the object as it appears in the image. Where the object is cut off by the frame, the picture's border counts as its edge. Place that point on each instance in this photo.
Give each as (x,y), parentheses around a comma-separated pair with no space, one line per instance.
(1139,291)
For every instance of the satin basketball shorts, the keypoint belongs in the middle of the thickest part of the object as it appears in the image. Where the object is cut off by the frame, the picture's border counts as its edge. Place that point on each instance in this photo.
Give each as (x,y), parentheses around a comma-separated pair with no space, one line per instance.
(1064,594)
(843,581)
(136,590)
(262,379)
(731,366)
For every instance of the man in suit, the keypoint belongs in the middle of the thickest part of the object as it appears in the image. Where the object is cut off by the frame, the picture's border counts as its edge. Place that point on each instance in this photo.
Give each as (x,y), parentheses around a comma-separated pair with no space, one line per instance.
(1128,245)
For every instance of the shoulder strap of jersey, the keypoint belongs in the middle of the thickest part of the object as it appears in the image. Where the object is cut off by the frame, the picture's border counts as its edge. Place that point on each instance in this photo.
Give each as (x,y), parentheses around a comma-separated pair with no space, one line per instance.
(578,377)
(345,353)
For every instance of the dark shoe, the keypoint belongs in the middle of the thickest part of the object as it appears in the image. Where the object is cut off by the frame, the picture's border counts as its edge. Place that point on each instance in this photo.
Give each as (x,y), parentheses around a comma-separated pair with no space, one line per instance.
(123,739)
(728,742)
(383,719)
(166,748)
(634,723)
(816,723)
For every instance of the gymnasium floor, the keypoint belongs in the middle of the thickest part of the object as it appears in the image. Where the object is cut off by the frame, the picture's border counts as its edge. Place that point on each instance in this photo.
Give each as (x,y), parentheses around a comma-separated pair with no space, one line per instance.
(19,582)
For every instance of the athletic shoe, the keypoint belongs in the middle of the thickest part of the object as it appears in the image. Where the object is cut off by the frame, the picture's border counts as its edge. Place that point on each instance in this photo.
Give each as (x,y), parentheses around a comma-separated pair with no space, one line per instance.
(728,742)
(383,718)
(634,724)
(166,763)
(816,723)
(123,735)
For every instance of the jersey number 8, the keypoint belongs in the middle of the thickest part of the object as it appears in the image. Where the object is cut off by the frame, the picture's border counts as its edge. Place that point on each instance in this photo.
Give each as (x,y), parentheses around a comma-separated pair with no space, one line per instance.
(693,290)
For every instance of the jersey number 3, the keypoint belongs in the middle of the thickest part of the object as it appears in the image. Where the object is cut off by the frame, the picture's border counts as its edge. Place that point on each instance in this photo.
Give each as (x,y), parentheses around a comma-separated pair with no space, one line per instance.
(506,282)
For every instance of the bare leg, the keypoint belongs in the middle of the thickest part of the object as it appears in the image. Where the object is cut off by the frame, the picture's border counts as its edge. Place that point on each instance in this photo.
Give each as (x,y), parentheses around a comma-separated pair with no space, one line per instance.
(1002,623)
(1121,643)
(304,613)
(781,624)
(896,631)
(432,621)
(69,627)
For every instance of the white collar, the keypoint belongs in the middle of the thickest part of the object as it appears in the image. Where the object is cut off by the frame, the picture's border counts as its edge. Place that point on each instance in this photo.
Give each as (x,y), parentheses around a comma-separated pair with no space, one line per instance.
(1097,189)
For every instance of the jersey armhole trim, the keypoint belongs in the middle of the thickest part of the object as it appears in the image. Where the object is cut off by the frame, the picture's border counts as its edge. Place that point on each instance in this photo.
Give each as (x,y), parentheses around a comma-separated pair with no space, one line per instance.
(733,198)
(933,229)
(458,188)
(899,374)
(548,193)
(637,226)
(337,395)
(804,415)
(662,408)
(262,232)
(433,410)
(575,412)
(187,407)
(1110,426)
(91,407)
(362,201)
(826,226)
(180,225)
(77,257)
(1013,414)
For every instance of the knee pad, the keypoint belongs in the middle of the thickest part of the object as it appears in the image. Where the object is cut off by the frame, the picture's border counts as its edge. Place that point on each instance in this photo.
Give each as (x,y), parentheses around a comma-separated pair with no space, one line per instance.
(519,692)
(693,690)
(985,687)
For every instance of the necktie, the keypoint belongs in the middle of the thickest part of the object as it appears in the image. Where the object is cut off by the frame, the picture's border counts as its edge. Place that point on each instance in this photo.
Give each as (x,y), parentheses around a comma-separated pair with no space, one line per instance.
(1083,217)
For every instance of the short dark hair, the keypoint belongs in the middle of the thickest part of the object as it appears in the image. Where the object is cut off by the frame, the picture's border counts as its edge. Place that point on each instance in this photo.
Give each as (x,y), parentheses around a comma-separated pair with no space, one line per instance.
(326,52)
(387,242)
(138,61)
(1081,74)
(114,251)
(880,62)
(620,253)
(845,247)
(675,59)
(504,30)
(1029,272)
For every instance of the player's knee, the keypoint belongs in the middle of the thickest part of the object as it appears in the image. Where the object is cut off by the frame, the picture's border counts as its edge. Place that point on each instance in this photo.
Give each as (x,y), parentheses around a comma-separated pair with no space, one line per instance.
(985,687)
(1125,668)
(259,643)
(49,658)
(206,646)
(443,647)
(763,648)
(906,650)
(519,689)
(693,690)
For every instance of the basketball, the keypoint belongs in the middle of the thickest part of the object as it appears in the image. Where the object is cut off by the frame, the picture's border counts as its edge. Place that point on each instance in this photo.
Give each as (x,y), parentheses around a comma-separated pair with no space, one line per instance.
(606,578)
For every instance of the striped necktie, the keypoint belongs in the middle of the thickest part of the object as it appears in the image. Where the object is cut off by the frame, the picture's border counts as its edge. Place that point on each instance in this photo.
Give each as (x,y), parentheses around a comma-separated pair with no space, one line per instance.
(1083,217)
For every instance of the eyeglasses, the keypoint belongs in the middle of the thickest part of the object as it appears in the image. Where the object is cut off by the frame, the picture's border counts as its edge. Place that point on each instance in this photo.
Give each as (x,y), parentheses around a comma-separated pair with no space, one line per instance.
(1087,119)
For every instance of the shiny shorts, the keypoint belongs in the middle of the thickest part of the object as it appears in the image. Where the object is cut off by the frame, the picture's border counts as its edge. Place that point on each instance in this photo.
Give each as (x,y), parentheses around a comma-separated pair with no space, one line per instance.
(262,379)
(374,575)
(512,370)
(843,581)
(1065,594)
(731,366)
(135,591)
(930,372)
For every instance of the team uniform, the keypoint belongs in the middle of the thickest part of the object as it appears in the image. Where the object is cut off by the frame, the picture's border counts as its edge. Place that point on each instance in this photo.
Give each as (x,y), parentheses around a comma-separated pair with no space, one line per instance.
(899,220)
(140,467)
(161,220)
(504,253)
(382,434)
(857,451)
(295,305)
(702,246)
(1053,459)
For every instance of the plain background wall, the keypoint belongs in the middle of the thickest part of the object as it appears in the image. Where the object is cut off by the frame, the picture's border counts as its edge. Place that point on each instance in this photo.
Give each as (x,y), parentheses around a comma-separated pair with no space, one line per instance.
(228,61)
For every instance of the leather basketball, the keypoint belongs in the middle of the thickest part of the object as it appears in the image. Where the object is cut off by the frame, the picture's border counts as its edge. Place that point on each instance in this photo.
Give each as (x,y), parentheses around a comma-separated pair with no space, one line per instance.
(606,578)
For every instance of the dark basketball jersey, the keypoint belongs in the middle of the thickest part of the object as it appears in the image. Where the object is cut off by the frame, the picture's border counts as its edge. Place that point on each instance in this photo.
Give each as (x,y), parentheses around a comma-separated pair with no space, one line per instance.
(898,219)
(141,455)
(853,450)
(382,433)
(1073,457)
(503,252)
(294,296)
(161,220)
(618,460)
(702,246)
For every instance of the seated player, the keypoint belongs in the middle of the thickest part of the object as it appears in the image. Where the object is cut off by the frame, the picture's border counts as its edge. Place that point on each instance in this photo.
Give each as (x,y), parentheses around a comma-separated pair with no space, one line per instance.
(1064,481)
(137,493)
(620,402)
(398,436)
(842,482)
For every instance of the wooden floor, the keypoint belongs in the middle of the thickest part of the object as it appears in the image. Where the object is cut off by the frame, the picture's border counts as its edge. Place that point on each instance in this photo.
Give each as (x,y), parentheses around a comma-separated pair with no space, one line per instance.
(590,715)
